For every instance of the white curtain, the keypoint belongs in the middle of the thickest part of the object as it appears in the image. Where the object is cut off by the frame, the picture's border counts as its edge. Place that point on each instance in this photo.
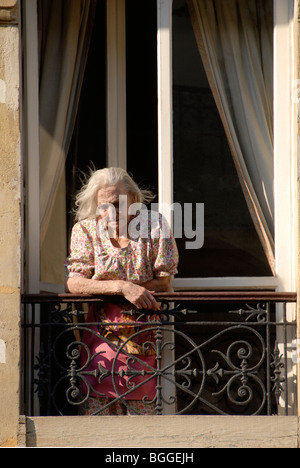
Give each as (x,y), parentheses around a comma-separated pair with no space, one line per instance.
(235,40)
(65,29)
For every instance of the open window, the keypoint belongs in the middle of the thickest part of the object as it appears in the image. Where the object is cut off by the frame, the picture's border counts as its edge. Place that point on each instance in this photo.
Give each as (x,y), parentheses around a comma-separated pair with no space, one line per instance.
(159,111)
(148,91)
(218,132)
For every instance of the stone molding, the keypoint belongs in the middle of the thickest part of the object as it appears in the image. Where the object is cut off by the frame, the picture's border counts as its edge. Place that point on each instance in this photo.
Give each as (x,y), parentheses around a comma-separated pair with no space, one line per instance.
(159,432)
(9,12)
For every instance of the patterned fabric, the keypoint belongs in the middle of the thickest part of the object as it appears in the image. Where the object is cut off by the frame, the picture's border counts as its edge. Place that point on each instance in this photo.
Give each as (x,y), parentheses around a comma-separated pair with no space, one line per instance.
(117,348)
(120,335)
(152,254)
(95,405)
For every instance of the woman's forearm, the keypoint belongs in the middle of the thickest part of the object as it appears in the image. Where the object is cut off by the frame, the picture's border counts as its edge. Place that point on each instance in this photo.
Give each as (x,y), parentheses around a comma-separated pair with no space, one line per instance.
(138,295)
(79,285)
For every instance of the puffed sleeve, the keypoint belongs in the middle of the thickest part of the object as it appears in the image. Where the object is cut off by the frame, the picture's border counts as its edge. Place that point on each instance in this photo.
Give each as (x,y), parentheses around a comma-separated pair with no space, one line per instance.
(165,252)
(81,259)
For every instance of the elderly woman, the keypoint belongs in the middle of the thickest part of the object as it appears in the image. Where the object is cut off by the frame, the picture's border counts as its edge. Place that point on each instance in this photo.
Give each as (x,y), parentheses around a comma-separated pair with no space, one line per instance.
(117,250)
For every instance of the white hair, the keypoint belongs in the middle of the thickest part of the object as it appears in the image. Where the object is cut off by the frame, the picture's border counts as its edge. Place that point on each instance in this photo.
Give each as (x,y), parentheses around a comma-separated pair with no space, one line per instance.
(86,203)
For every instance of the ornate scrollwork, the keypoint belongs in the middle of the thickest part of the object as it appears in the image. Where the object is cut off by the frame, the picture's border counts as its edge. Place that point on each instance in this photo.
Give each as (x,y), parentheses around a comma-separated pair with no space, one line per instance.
(251,312)
(277,379)
(222,373)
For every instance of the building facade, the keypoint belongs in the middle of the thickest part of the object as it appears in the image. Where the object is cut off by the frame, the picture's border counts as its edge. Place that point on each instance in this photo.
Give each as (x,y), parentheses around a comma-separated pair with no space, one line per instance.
(151,109)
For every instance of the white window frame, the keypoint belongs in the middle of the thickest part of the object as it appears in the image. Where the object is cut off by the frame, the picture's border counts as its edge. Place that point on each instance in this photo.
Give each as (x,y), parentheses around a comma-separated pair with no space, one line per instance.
(116,122)
(284,165)
(284,149)
(116,83)
(31,145)
(284,142)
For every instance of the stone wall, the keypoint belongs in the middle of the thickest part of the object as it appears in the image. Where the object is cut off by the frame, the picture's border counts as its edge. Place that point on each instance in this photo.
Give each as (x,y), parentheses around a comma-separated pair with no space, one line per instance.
(10,222)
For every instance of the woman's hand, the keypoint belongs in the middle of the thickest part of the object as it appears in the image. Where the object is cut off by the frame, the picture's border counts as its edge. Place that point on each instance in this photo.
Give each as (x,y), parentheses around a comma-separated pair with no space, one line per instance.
(139,296)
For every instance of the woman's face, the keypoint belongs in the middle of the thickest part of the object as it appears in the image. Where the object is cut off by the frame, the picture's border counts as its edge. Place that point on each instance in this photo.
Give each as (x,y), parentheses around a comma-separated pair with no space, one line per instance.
(113,203)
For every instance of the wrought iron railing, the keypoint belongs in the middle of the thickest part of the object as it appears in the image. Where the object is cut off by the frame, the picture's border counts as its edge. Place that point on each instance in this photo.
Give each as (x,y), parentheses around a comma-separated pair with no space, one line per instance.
(214,353)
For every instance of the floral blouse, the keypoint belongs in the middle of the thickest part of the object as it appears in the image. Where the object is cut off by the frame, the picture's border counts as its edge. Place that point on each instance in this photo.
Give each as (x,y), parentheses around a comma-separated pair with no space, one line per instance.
(151,252)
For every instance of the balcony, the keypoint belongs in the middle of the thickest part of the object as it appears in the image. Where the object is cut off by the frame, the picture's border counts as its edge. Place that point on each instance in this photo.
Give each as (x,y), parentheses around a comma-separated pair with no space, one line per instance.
(214,353)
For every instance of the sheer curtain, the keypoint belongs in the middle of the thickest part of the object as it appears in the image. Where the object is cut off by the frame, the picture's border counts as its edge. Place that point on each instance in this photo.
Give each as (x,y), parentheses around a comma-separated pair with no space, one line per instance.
(65,28)
(235,40)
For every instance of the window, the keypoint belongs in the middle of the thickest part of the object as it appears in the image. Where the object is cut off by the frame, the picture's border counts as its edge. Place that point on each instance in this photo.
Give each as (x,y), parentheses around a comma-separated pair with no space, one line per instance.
(145,116)
(156,144)
(204,169)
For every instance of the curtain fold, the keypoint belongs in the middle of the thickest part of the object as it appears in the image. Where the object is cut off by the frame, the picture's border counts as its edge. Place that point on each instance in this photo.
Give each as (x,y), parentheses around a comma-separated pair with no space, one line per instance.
(65,28)
(235,40)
